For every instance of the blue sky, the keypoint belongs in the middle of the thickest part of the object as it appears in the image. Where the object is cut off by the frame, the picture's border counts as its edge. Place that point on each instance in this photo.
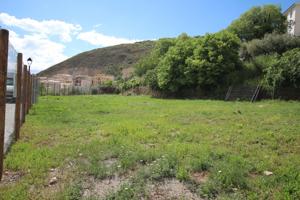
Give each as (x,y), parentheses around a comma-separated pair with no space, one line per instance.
(50,30)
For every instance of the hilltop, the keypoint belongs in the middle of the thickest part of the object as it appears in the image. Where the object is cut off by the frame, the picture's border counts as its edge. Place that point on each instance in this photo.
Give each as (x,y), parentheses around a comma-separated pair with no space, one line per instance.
(114,60)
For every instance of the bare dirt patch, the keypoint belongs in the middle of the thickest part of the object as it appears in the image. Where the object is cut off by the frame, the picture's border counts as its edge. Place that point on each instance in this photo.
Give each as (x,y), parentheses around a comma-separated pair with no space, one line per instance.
(58,179)
(102,188)
(170,189)
(10,177)
(200,177)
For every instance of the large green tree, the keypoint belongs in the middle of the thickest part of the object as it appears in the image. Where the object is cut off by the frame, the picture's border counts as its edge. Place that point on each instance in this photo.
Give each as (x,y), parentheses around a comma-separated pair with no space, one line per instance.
(214,59)
(171,70)
(151,61)
(258,21)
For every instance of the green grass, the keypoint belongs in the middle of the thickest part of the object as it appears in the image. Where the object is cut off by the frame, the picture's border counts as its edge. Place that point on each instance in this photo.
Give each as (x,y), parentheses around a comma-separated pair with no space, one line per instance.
(234,141)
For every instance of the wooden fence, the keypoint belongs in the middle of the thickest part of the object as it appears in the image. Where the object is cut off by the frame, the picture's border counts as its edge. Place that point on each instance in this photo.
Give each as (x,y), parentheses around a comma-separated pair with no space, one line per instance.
(26,87)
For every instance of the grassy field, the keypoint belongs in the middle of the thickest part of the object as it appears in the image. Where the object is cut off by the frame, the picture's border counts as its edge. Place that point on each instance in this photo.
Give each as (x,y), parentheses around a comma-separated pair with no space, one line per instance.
(115,147)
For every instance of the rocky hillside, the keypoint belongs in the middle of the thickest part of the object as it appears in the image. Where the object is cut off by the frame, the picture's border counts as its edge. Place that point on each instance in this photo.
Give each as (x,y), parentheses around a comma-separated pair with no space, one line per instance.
(114,60)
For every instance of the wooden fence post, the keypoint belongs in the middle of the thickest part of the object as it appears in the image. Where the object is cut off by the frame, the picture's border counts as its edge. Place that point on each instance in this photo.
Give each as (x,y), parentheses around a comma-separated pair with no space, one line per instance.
(27,90)
(3,73)
(30,93)
(24,93)
(18,96)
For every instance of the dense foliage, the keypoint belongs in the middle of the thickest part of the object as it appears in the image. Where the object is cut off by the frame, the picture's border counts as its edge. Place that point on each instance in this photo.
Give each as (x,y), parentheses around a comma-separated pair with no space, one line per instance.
(188,62)
(284,71)
(271,43)
(214,58)
(150,62)
(172,70)
(214,61)
(258,21)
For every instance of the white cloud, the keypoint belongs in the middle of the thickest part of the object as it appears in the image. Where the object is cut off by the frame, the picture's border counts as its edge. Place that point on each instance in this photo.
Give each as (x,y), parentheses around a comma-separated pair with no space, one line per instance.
(45,27)
(36,42)
(44,41)
(43,51)
(99,39)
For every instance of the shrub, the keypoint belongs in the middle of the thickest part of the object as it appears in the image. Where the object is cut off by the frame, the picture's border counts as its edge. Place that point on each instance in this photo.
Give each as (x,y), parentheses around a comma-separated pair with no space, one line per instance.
(151,79)
(270,44)
(258,65)
(214,59)
(285,72)
(199,62)
(171,70)
(151,61)
(131,83)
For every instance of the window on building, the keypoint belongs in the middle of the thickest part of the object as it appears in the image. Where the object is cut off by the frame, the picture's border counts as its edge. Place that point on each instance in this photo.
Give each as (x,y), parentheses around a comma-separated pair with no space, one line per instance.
(77,82)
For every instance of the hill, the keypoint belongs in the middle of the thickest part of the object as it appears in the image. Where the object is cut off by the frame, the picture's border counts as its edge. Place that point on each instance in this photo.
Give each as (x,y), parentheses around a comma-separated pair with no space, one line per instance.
(114,60)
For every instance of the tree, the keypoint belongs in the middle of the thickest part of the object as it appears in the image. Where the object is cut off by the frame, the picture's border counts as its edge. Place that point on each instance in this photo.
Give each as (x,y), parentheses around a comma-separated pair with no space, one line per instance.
(270,44)
(171,70)
(285,72)
(258,21)
(213,59)
(151,61)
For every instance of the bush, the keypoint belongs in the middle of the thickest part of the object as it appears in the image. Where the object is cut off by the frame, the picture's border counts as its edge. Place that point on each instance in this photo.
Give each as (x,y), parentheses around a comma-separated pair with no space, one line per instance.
(131,83)
(285,72)
(172,69)
(151,61)
(151,79)
(258,65)
(214,59)
(270,44)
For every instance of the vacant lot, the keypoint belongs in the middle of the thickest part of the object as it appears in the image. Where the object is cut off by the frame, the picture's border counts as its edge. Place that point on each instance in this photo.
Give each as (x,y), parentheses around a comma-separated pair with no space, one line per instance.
(115,147)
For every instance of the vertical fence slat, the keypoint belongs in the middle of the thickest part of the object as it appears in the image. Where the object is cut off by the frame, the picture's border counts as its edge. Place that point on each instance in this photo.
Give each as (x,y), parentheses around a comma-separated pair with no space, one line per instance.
(18,96)
(3,73)
(30,91)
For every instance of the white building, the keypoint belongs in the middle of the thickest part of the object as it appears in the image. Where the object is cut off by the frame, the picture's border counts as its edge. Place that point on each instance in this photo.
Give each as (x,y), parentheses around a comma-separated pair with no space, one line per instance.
(293,17)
